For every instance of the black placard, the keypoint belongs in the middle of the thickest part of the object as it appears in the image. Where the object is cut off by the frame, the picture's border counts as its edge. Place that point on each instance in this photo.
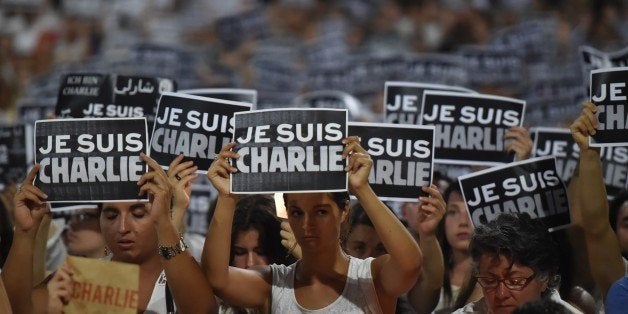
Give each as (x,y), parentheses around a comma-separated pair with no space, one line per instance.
(531,186)
(610,94)
(403,101)
(402,158)
(12,154)
(290,150)
(470,127)
(90,160)
(197,127)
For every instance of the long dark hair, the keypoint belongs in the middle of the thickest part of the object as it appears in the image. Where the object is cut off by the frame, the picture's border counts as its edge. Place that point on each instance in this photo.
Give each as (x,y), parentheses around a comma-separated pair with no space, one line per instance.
(445,246)
(256,212)
(6,234)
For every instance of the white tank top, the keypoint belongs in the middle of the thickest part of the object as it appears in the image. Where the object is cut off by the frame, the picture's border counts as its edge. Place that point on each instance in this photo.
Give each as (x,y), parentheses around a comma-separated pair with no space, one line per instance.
(358,295)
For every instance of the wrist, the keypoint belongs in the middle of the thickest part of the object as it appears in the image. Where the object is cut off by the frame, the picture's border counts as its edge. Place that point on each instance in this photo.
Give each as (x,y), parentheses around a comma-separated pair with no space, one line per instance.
(168,251)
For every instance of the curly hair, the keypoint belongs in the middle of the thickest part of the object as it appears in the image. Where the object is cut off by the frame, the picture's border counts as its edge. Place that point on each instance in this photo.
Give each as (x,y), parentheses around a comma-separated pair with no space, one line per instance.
(522,240)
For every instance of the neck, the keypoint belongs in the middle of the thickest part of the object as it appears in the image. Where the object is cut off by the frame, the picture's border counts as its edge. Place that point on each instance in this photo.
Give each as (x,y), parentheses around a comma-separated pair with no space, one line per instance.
(461,257)
(320,263)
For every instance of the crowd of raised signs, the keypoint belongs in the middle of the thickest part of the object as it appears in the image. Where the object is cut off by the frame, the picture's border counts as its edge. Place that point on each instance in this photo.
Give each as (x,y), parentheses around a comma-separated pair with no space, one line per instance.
(473,94)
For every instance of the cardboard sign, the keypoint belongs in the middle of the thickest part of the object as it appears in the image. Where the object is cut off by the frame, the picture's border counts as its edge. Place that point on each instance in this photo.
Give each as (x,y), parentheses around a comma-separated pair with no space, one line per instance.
(80,92)
(12,154)
(403,101)
(103,286)
(233,94)
(470,127)
(531,186)
(402,158)
(90,160)
(197,127)
(93,96)
(610,94)
(559,143)
(290,150)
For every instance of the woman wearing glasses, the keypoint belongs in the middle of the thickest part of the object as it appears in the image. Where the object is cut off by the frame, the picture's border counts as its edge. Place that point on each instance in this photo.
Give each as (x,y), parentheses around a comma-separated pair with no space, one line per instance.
(515,262)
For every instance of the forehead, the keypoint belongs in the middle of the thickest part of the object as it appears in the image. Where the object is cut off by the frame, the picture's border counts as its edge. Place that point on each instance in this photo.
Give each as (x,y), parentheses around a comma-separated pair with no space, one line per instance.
(309,199)
(500,265)
(123,206)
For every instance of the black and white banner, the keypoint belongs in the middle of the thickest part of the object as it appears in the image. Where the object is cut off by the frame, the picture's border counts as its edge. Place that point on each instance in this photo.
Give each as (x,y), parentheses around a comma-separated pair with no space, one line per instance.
(81,93)
(403,101)
(12,154)
(559,143)
(470,127)
(197,127)
(90,160)
(402,158)
(290,150)
(610,94)
(531,186)
(95,96)
(233,94)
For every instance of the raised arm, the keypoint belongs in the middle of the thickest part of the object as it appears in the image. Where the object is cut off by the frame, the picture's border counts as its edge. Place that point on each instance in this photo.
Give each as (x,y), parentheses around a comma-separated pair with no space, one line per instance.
(190,290)
(180,175)
(396,272)
(602,248)
(238,287)
(17,273)
(425,293)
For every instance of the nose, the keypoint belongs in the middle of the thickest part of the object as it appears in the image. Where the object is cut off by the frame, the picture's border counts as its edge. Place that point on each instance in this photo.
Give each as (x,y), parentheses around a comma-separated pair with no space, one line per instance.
(502,292)
(252,259)
(123,224)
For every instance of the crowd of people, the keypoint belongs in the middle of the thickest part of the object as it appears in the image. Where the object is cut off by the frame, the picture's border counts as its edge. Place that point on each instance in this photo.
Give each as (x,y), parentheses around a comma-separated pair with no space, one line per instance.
(330,253)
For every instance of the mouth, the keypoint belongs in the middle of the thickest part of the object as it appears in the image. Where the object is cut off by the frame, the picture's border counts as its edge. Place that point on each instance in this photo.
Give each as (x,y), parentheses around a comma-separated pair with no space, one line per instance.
(462,235)
(125,244)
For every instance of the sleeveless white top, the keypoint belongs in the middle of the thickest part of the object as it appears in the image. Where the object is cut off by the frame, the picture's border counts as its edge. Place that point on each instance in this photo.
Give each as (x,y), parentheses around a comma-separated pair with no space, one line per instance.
(358,295)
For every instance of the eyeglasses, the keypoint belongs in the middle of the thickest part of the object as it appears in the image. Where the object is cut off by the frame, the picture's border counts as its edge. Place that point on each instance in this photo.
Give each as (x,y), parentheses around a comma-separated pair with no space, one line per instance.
(515,283)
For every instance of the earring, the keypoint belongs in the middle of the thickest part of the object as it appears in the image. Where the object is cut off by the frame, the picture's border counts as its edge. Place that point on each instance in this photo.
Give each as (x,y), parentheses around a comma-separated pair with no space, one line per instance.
(107,251)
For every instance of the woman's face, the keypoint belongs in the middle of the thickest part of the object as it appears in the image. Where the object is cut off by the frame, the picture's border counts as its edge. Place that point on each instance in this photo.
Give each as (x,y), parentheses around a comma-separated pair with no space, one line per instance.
(363,242)
(83,236)
(129,231)
(315,220)
(247,250)
(457,223)
(499,270)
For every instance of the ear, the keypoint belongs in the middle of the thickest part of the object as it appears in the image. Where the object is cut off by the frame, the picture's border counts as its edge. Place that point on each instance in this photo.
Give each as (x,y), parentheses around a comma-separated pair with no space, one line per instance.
(344,213)
(544,284)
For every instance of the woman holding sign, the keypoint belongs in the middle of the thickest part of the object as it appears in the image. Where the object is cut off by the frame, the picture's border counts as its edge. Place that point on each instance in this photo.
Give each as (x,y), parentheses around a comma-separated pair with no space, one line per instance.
(325,279)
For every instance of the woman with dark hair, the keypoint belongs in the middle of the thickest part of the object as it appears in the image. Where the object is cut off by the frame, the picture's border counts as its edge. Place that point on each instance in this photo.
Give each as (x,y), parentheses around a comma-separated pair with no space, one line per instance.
(255,237)
(325,279)
(454,233)
(515,261)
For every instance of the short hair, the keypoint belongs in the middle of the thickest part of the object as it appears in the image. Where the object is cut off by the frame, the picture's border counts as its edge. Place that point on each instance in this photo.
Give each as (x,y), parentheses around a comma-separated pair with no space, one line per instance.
(615,206)
(256,212)
(522,240)
(340,198)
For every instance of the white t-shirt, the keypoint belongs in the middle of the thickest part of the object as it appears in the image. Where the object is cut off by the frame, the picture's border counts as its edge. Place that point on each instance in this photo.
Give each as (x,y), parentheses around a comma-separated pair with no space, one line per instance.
(358,295)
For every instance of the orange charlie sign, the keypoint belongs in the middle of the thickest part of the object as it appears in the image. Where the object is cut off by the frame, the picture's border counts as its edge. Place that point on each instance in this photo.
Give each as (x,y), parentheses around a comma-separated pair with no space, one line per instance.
(103,286)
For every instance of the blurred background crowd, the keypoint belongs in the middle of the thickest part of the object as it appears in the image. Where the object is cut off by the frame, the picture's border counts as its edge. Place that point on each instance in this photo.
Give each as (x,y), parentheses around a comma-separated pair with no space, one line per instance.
(283,48)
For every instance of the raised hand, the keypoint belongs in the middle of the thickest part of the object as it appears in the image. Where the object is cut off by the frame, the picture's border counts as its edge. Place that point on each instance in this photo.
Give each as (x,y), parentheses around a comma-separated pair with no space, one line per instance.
(431,211)
(180,177)
(585,125)
(289,241)
(155,183)
(29,205)
(60,289)
(218,173)
(360,163)
(518,140)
